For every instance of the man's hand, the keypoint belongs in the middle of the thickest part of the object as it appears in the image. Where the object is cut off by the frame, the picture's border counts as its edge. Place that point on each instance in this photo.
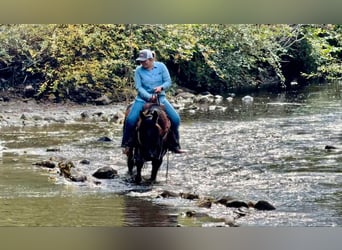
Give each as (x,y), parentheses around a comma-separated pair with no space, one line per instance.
(153,98)
(157,90)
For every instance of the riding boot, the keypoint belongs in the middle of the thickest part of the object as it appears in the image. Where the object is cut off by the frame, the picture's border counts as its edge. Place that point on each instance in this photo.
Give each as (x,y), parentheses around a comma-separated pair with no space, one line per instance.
(173,142)
(128,142)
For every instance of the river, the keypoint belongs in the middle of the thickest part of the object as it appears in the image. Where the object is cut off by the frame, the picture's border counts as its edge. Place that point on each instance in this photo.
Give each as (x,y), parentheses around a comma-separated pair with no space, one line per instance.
(271,149)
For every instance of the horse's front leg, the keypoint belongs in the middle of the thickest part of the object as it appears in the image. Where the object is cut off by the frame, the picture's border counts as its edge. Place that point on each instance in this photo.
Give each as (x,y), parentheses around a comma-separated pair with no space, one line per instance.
(155,167)
(139,165)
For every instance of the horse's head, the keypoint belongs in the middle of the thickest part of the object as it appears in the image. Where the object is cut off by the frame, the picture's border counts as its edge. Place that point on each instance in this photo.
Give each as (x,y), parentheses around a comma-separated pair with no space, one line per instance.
(150,135)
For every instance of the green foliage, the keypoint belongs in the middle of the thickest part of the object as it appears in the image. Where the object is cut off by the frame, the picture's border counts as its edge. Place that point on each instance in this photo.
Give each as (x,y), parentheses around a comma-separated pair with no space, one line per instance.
(237,54)
(83,62)
(88,56)
(325,45)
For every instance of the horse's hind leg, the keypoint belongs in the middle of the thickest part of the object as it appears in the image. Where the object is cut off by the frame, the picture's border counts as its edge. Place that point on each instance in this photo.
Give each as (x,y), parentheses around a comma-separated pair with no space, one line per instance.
(155,167)
(139,166)
(130,162)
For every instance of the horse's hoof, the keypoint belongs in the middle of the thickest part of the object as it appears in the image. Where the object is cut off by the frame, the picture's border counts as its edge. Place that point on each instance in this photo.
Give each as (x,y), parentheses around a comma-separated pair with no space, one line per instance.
(137,180)
(151,181)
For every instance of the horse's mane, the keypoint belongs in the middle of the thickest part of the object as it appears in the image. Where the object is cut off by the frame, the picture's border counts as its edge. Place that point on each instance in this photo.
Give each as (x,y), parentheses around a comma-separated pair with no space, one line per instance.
(163,119)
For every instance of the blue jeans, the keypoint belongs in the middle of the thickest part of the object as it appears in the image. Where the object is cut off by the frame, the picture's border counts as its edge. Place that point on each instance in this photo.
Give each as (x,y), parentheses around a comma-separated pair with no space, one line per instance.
(134,114)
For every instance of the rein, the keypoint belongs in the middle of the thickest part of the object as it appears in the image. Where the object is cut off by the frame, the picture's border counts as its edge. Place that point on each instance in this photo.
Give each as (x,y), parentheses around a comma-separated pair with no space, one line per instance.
(167,165)
(164,138)
(157,98)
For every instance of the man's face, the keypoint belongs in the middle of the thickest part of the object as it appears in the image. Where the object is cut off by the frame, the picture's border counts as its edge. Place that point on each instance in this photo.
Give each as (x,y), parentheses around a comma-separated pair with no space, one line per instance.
(147,64)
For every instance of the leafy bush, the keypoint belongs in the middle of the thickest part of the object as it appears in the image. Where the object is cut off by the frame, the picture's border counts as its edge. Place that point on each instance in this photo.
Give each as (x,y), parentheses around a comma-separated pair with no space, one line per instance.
(83,62)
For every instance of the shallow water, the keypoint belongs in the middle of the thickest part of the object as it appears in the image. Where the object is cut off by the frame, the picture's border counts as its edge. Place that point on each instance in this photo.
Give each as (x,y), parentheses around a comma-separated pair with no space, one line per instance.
(271,149)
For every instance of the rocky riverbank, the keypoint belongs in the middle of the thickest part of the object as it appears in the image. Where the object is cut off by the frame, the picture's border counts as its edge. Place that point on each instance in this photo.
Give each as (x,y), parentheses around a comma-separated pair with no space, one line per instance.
(29,112)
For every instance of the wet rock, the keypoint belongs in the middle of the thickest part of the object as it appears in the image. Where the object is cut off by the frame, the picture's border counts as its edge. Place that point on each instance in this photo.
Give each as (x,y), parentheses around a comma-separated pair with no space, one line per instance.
(57,158)
(103,100)
(263,205)
(46,164)
(209,98)
(247,99)
(236,204)
(39,118)
(118,117)
(98,114)
(211,107)
(59,120)
(229,99)
(85,115)
(230,221)
(224,200)
(104,139)
(221,108)
(241,212)
(65,168)
(330,147)
(85,162)
(185,95)
(29,91)
(78,178)
(52,150)
(205,202)
(189,196)
(190,213)
(105,173)
(193,213)
(218,98)
(5,99)
(191,107)
(168,194)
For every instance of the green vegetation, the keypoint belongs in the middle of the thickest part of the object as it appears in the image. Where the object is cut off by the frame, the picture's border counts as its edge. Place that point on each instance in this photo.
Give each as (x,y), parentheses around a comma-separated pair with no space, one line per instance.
(84,62)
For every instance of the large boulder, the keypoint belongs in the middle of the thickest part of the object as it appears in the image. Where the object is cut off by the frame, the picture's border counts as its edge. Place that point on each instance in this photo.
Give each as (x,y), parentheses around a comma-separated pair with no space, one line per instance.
(264,205)
(29,91)
(105,173)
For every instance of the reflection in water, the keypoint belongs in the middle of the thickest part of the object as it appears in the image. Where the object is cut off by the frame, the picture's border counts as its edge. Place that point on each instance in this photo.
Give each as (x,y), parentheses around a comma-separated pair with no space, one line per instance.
(142,213)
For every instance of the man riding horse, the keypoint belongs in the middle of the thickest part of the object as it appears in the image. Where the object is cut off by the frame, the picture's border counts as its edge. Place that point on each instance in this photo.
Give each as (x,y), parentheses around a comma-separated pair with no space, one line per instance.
(151,78)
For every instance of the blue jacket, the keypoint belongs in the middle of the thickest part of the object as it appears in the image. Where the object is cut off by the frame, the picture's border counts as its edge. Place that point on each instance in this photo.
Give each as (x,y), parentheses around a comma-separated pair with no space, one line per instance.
(147,80)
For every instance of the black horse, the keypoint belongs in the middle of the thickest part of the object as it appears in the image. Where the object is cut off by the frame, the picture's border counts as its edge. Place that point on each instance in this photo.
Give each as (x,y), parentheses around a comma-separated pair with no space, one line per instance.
(151,139)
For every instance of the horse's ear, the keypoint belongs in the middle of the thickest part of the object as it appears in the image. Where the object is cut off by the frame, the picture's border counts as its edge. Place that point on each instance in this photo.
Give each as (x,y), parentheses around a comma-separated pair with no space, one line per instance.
(155,116)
